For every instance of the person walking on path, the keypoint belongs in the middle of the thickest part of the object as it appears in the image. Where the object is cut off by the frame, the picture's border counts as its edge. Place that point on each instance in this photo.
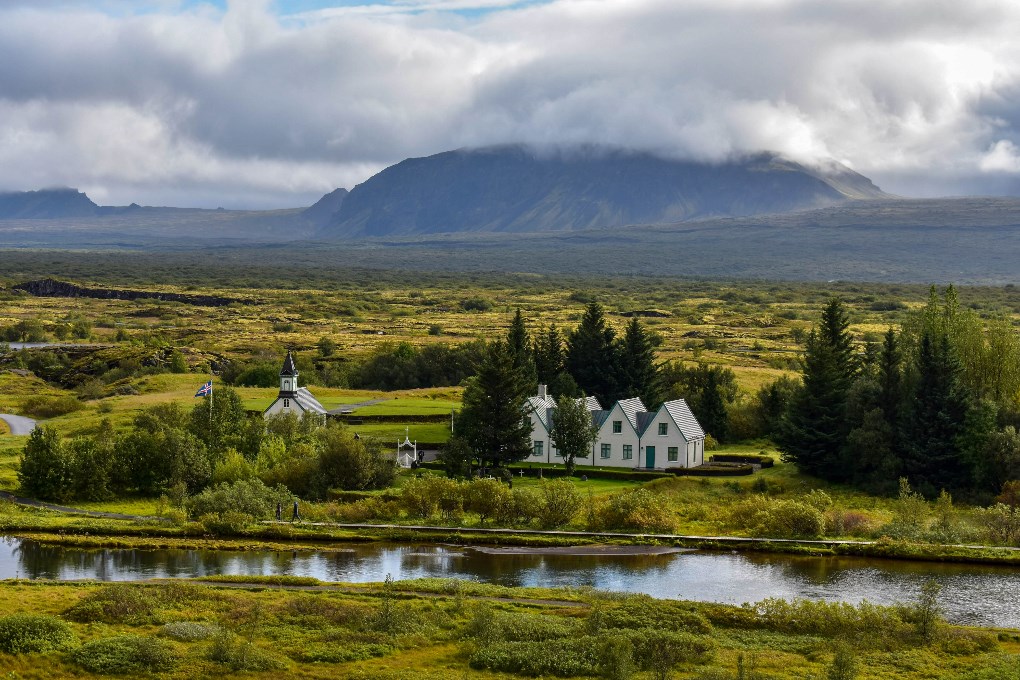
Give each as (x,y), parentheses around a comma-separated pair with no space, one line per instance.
(297,515)
(279,512)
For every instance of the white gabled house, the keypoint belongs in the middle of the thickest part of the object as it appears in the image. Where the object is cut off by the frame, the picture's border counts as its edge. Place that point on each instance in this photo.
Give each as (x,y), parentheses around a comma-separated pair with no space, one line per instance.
(293,399)
(629,435)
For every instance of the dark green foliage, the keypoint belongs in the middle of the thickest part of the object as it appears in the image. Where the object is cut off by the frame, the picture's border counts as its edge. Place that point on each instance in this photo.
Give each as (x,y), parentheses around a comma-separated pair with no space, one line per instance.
(492,418)
(616,658)
(813,435)
(247,497)
(639,376)
(44,470)
(573,431)
(348,463)
(27,633)
(642,611)
(404,366)
(710,470)
(125,655)
(939,406)
(707,389)
(562,658)
(519,342)
(549,357)
(593,357)
(220,421)
(771,403)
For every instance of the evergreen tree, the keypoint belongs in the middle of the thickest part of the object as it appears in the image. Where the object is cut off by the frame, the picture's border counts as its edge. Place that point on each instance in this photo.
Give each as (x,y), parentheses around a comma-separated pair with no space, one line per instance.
(890,378)
(813,433)
(938,418)
(549,356)
(640,377)
(593,358)
(712,414)
(573,432)
(492,419)
(519,341)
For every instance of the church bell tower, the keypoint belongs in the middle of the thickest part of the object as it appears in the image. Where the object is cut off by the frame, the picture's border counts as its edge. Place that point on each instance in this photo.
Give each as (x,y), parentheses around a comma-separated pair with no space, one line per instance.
(288,377)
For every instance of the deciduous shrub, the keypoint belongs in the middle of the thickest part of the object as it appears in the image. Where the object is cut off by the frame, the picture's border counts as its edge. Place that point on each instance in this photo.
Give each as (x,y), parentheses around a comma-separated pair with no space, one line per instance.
(248,497)
(638,509)
(765,516)
(240,654)
(25,633)
(563,658)
(424,496)
(848,523)
(41,406)
(188,631)
(1001,524)
(125,655)
(487,498)
(560,502)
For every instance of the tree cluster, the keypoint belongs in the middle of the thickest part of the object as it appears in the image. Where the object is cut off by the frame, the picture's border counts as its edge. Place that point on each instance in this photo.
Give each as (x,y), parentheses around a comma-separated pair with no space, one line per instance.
(172,449)
(936,404)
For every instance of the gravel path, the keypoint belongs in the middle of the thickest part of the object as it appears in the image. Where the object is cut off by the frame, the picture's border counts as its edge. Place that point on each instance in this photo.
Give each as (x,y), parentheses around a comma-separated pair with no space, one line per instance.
(18,424)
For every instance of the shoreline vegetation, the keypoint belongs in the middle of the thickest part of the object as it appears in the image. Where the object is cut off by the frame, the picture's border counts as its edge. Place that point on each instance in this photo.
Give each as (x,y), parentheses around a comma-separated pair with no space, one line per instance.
(440,628)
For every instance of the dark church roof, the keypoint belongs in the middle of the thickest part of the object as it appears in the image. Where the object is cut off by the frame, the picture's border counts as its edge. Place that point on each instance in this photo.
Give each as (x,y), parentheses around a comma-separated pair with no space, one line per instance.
(288,366)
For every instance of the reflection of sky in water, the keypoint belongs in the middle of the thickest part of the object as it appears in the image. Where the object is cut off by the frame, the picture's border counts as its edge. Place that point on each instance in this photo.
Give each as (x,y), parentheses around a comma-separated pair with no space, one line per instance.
(971,593)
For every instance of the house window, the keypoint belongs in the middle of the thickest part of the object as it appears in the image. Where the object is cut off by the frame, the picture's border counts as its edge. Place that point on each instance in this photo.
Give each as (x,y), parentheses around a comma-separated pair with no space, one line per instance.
(663,428)
(617,426)
(628,452)
(538,448)
(286,403)
(672,454)
(606,450)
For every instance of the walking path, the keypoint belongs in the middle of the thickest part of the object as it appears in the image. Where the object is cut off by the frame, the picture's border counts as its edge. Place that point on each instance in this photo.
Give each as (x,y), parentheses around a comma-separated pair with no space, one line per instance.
(18,424)
(32,503)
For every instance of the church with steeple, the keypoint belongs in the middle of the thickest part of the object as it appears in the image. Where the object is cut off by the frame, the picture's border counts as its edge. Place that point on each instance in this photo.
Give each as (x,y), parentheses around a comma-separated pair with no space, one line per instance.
(293,399)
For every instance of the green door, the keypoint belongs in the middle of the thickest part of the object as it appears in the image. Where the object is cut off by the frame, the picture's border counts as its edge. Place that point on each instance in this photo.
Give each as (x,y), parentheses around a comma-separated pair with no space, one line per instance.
(649,456)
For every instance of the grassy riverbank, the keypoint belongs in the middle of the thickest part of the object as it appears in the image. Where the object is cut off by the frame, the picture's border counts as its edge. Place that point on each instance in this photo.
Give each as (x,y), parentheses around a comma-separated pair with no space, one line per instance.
(440,629)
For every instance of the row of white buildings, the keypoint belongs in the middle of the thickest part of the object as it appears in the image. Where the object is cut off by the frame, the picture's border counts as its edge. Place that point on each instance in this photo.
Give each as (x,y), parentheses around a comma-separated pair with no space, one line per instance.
(629,435)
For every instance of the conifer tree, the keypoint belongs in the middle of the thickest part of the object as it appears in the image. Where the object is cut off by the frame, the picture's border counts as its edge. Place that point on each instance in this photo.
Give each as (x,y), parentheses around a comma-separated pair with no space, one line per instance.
(938,417)
(549,356)
(492,420)
(814,432)
(593,357)
(890,379)
(640,377)
(519,341)
(712,414)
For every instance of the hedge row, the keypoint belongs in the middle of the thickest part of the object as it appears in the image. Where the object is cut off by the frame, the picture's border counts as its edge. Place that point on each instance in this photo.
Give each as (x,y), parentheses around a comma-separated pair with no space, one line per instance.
(714,470)
(751,458)
(553,471)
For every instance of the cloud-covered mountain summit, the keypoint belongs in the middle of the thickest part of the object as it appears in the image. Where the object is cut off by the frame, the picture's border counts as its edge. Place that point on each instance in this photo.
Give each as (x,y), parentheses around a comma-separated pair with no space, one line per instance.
(520,189)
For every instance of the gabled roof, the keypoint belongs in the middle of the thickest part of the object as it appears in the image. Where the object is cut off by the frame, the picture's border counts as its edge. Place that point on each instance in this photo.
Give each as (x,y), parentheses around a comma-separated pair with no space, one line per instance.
(599,417)
(541,406)
(681,414)
(631,408)
(592,403)
(307,402)
(644,419)
(288,366)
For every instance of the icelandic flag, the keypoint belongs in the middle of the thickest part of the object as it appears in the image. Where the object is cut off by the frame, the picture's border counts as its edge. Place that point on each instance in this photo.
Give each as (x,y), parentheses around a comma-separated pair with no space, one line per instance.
(205,390)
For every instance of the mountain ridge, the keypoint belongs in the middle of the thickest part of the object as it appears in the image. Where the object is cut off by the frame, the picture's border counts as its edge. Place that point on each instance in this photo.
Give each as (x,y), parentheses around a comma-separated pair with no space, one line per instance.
(514,188)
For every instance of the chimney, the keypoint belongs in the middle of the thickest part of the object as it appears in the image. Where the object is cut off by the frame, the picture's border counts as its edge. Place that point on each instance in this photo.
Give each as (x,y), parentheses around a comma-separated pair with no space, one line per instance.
(541,392)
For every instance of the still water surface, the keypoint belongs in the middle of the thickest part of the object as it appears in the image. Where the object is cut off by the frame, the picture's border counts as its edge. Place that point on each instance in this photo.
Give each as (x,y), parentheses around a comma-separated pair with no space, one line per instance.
(972,594)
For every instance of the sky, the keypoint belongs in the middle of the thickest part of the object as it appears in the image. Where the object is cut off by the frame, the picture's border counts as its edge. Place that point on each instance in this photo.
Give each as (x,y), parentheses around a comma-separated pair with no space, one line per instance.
(263,103)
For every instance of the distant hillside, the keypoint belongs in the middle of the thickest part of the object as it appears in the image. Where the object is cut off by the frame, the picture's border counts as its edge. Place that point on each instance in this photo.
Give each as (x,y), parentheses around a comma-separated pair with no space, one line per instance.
(46,204)
(326,208)
(516,189)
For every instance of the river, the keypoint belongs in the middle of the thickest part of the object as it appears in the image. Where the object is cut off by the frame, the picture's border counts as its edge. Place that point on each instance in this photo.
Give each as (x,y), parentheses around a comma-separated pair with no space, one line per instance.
(972,594)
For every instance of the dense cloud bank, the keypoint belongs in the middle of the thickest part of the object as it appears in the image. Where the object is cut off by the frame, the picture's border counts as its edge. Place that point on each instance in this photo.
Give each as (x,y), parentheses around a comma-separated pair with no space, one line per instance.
(193,105)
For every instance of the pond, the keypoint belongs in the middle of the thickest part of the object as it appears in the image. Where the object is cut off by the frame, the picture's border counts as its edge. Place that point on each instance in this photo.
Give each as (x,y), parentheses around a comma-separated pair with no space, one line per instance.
(972,594)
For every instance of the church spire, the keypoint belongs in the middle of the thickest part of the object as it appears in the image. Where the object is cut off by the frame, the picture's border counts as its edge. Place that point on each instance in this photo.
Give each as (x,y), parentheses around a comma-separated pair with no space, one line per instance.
(288,377)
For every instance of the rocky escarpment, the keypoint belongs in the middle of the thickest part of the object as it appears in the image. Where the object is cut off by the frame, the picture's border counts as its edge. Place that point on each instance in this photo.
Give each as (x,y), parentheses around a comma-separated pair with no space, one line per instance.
(54,288)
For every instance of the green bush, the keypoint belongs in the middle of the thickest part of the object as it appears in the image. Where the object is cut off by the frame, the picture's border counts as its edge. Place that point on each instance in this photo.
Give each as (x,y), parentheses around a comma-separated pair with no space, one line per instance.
(714,470)
(638,509)
(188,631)
(563,658)
(560,502)
(241,655)
(44,407)
(765,516)
(124,655)
(24,633)
(641,611)
(490,626)
(247,497)
(116,603)
(487,498)
(749,458)
(423,496)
